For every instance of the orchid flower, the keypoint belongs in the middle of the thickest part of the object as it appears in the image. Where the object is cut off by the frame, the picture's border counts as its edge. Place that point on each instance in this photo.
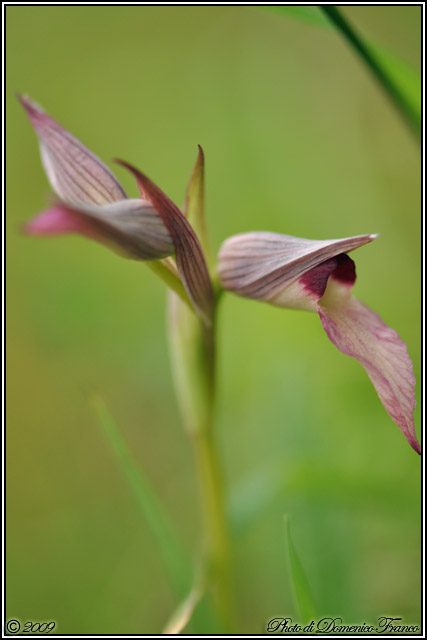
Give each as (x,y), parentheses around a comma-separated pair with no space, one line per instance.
(94,204)
(318,276)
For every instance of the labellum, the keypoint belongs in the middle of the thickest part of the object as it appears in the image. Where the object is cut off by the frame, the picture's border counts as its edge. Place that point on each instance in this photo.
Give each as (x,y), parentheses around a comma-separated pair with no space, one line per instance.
(318,276)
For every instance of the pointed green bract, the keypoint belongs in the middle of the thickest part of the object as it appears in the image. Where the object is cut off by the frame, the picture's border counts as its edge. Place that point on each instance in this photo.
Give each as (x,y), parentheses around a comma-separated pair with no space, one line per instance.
(194,205)
(300,586)
(192,356)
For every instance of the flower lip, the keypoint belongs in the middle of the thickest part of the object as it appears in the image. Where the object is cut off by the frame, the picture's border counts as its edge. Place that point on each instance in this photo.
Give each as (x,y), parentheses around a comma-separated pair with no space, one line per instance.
(359,332)
(340,267)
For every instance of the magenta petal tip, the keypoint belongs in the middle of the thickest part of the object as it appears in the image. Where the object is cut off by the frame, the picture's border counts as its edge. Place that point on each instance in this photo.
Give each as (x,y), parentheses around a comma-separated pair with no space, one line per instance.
(53,222)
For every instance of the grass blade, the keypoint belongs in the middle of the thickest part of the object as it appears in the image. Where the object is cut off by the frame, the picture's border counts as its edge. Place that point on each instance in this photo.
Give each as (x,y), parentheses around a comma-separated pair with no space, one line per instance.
(381,67)
(310,14)
(301,589)
(400,81)
(176,562)
(183,614)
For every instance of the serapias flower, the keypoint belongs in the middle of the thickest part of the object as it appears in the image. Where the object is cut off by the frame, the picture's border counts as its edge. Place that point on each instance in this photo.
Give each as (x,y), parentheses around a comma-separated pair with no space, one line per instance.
(318,276)
(91,200)
(93,203)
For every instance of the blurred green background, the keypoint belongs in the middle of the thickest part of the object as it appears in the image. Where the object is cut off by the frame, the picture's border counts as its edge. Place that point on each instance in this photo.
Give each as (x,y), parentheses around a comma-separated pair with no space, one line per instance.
(298,139)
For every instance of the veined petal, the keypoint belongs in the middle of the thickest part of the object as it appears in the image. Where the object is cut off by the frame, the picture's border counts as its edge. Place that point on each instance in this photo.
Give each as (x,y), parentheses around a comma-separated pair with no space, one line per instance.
(76,175)
(262,265)
(189,256)
(132,228)
(359,332)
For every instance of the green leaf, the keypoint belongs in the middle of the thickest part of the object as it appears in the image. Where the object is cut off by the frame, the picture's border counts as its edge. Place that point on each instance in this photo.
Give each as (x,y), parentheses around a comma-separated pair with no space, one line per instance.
(301,589)
(177,563)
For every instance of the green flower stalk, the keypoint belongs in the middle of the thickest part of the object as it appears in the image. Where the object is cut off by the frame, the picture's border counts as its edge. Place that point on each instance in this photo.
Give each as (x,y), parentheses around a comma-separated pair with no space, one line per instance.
(193,354)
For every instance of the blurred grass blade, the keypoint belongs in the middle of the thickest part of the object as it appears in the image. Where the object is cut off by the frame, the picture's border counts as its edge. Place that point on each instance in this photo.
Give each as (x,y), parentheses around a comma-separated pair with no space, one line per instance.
(384,69)
(400,81)
(305,13)
(300,587)
(184,612)
(405,76)
(182,615)
(176,562)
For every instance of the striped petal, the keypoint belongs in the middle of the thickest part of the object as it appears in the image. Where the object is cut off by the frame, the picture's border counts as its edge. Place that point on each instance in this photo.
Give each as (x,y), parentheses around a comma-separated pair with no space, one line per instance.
(262,265)
(76,175)
(190,260)
(318,276)
(132,228)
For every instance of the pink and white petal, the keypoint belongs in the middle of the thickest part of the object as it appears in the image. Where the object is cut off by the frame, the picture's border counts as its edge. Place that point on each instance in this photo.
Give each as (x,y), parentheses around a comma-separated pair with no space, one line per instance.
(132,228)
(359,332)
(189,256)
(55,222)
(261,264)
(76,174)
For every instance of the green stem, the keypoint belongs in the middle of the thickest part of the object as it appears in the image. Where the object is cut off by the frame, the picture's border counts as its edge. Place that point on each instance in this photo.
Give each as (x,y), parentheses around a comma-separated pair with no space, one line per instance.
(193,358)
(377,69)
(215,525)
